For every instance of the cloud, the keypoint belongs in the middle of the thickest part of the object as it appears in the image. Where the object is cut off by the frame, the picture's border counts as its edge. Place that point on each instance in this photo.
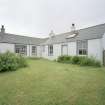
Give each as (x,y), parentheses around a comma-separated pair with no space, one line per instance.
(38,17)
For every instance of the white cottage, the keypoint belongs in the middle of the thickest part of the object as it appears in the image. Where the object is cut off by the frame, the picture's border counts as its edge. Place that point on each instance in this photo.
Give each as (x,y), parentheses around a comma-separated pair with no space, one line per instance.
(84,42)
(28,46)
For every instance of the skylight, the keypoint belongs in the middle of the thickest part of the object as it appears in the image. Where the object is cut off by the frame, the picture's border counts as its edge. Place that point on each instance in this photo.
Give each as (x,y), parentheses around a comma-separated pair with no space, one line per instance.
(71,36)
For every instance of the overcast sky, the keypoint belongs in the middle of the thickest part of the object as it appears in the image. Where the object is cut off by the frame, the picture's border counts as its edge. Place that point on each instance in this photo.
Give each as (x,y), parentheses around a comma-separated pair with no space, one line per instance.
(37,17)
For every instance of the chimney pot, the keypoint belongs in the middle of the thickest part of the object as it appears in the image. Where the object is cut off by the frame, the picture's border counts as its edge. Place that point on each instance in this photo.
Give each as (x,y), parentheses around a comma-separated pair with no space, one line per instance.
(2,29)
(73,27)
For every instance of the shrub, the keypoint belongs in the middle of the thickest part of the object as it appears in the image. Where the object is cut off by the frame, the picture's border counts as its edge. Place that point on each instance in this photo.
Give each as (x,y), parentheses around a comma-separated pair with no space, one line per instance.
(60,58)
(75,60)
(22,62)
(85,61)
(10,61)
(80,60)
(64,59)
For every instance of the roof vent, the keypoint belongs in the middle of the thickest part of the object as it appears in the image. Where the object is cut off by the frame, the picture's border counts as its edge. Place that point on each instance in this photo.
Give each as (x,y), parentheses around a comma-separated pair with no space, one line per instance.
(2,29)
(51,34)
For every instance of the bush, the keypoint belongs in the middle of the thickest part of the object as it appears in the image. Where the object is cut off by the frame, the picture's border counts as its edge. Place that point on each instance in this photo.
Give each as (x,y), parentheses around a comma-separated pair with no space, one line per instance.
(10,61)
(80,60)
(75,60)
(22,62)
(64,59)
(85,61)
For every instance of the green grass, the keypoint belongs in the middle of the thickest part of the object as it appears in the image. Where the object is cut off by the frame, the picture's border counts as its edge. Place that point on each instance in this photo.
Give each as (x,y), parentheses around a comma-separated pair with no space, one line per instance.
(51,83)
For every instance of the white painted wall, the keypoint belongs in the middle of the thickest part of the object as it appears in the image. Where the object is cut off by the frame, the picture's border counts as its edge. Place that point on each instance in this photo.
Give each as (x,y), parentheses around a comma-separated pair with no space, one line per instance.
(44,54)
(28,48)
(56,52)
(7,47)
(64,49)
(29,51)
(72,48)
(38,51)
(104,41)
(95,48)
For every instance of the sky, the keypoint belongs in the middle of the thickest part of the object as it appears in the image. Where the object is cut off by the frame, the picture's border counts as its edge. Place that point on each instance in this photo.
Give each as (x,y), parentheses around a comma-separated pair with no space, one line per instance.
(36,18)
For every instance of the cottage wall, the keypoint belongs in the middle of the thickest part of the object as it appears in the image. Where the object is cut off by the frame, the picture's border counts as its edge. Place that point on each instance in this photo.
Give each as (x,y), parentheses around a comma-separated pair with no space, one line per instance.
(7,47)
(95,48)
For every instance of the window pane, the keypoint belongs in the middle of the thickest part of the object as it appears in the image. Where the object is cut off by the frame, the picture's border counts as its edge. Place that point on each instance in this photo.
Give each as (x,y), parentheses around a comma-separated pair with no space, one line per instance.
(50,50)
(34,50)
(82,47)
(80,51)
(84,52)
(21,49)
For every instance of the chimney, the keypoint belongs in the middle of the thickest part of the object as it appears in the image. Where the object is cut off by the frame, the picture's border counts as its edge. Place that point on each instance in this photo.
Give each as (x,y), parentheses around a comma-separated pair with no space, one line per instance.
(73,27)
(51,34)
(2,29)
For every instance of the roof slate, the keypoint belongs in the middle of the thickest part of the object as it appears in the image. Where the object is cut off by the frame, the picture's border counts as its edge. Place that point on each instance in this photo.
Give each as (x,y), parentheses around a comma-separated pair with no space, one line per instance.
(11,38)
(93,32)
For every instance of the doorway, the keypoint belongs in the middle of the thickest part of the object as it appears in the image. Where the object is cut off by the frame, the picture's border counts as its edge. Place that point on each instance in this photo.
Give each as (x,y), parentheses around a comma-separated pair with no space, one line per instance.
(104,57)
(64,50)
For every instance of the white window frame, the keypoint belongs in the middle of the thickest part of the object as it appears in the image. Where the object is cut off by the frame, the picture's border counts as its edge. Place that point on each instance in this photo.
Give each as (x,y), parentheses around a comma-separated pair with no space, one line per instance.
(34,50)
(82,47)
(50,50)
(21,49)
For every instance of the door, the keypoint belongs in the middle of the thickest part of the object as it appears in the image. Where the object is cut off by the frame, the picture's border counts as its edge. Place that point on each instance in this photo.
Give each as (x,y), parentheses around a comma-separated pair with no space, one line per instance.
(104,57)
(64,50)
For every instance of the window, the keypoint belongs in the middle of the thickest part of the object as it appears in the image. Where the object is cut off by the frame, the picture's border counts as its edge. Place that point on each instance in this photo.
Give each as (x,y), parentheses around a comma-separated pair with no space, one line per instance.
(82,47)
(50,50)
(34,50)
(21,49)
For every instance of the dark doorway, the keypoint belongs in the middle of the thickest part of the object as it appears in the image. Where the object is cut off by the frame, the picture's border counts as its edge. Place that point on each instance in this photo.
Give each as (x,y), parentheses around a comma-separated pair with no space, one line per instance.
(104,57)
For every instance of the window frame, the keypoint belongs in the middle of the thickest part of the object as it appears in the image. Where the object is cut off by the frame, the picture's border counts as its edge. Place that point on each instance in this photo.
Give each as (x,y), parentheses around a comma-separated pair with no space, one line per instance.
(50,50)
(21,49)
(34,50)
(82,47)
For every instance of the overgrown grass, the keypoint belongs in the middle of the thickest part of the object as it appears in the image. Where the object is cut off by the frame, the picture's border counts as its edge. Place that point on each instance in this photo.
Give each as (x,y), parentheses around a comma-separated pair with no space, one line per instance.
(50,83)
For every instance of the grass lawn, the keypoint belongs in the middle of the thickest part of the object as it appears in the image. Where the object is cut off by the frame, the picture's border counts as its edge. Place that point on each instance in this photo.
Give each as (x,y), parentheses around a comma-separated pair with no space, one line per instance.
(50,83)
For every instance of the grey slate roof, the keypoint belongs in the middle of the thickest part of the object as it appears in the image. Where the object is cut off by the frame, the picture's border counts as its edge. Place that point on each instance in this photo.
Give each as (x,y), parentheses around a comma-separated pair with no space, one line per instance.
(11,38)
(93,32)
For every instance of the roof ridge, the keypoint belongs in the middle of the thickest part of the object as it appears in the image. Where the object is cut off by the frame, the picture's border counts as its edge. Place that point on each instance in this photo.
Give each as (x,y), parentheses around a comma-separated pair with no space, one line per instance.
(92,26)
(80,29)
(22,36)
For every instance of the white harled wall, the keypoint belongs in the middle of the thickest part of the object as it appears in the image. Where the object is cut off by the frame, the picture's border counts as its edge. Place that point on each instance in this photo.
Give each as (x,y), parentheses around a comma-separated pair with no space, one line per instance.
(104,41)
(72,48)
(56,52)
(7,47)
(38,51)
(95,48)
